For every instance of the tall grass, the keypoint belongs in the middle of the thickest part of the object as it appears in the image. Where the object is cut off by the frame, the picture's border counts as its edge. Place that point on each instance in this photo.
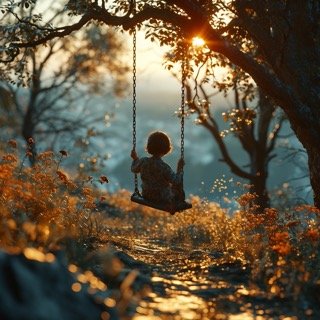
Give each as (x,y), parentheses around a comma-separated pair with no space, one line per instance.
(41,205)
(280,248)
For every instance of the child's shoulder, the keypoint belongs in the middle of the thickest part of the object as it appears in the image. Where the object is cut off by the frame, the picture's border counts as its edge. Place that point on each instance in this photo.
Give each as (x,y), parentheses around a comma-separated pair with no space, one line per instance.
(143,159)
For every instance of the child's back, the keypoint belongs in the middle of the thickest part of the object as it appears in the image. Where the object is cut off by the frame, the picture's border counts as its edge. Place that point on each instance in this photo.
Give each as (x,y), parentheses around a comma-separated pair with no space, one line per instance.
(158,179)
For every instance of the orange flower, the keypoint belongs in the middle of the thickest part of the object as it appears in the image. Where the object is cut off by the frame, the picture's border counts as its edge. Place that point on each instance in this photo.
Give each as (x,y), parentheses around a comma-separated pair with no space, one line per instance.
(62,176)
(45,155)
(103,179)
(10,157)
(12,143)
(282,248)
(309,208)
(246,198)
(280,236)
(281,243)
(86,191)
(271,213)
(312,234)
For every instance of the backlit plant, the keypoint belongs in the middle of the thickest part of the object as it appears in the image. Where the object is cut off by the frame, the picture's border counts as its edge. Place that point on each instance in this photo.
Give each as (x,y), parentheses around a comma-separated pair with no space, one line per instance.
(41,204)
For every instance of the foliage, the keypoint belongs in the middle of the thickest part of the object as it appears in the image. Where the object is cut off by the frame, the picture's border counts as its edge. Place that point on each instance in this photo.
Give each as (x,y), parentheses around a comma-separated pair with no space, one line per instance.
(273,43)
(43,211)
(280,249)
(65,81)
(41,205)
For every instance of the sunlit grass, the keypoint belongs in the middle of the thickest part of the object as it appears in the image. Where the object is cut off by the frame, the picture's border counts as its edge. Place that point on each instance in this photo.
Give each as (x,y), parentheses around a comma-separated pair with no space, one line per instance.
(43,205)
(280,249)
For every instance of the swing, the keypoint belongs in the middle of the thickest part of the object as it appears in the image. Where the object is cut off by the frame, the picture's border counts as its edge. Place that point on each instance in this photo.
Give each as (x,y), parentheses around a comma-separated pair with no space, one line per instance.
(136,196)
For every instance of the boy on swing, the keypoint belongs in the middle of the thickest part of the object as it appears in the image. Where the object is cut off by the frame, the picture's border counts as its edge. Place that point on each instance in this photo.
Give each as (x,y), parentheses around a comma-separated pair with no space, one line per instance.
(160,184)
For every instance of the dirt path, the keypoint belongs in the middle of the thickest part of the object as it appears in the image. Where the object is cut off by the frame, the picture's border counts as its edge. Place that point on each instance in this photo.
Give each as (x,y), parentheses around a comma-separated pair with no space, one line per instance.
(190,278)
(187,284)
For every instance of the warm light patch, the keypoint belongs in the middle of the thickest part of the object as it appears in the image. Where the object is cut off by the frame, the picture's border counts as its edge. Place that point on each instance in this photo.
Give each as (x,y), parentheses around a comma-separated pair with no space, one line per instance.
(76,287)
(198,42)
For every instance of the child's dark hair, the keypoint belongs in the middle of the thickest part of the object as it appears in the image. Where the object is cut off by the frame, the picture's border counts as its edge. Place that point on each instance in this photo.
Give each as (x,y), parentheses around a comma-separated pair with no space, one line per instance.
(158,144)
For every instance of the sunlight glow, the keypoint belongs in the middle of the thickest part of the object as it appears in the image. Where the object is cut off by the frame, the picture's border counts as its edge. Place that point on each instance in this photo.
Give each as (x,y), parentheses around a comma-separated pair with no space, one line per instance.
(198,42)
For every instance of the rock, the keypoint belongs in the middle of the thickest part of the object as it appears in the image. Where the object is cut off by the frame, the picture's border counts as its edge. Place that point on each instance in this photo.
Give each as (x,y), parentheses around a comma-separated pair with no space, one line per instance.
(31,289)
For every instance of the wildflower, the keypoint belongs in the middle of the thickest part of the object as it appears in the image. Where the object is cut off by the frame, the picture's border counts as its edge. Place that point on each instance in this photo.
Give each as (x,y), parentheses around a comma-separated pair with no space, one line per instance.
(280,236)
(12,143)
(246,199)
(312,234)
(10,158)
(86,191)
(45,155)
(308,208)
(282,248)
(63,153)
(103,179)
(30,141)
(281,243)
(271,213)
(62,176)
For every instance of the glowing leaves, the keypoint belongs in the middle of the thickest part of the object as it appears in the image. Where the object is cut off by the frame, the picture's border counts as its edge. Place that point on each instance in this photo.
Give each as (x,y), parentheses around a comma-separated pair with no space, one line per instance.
(37,255)
(239,120)
(281,243)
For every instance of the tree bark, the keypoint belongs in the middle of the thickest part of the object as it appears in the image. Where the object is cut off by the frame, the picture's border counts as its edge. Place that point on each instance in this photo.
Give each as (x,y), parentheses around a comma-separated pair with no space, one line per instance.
(258,187)
(314,170)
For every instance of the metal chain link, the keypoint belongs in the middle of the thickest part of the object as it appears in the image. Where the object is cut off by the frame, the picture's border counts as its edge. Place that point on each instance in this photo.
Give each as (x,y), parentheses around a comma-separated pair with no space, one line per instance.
(134,93)
(134,98)
(183,79)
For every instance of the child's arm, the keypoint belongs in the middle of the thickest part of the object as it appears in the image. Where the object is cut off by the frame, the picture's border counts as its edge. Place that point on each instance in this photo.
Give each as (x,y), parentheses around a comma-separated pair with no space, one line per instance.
(134,155)
(180,165)
(136,163)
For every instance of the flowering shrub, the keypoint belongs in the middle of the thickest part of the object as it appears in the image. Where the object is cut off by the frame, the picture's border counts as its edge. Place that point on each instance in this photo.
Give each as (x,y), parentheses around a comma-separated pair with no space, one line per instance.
(282,248)
(40,205)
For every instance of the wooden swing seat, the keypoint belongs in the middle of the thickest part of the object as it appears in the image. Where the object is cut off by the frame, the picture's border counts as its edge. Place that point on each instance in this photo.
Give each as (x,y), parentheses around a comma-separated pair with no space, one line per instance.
(178,207)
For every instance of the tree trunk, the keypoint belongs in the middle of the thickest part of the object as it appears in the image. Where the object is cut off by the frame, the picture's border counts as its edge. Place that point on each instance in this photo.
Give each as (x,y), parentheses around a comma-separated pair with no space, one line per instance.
(314,169)
(258,186)
(27,133)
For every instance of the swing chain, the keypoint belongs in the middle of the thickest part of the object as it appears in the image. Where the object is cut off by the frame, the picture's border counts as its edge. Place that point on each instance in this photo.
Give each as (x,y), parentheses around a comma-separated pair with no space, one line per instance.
(134,99)
(183,79)
(134,94)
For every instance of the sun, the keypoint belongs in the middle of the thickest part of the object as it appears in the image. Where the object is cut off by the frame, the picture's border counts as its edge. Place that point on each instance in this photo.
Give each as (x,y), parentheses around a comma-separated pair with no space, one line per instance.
(198,42)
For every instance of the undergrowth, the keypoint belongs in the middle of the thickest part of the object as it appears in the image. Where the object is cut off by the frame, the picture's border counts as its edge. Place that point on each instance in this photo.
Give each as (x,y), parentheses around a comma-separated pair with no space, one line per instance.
(279,248)
(41,206)
(44,212)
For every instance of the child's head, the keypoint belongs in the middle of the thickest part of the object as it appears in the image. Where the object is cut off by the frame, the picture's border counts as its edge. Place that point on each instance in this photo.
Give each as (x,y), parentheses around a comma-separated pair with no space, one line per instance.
(159,144)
